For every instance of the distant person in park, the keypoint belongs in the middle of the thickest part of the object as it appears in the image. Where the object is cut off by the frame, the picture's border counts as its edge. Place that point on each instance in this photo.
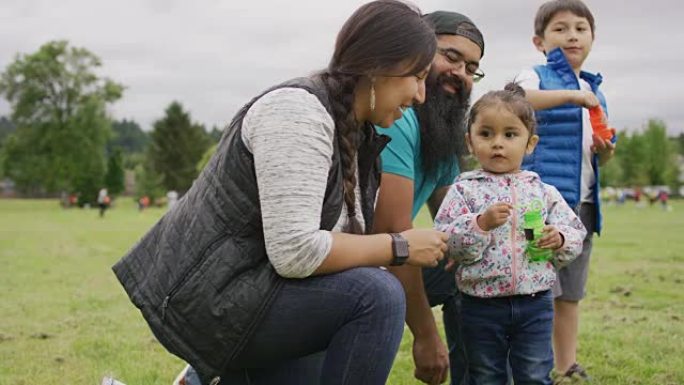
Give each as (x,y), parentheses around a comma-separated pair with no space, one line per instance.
(64,200)
(68,200)
(663,197)
(568,155)
(609,195)
(143,203)
(507,305)
(652,196)
(419,165)
(637,197)
(621,196)
(103,201)
(171,198)
(268,257)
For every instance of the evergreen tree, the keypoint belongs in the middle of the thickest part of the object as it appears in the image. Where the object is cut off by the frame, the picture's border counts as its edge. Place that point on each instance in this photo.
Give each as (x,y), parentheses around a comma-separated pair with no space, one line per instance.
(205,158)
(147,182)
(631,155)
(128,136)
(176,146)
(114,180)
(658,155)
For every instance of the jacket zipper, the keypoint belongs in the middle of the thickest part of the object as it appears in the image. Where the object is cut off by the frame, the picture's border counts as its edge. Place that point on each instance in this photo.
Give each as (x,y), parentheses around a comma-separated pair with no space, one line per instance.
(514,226)
(188,273)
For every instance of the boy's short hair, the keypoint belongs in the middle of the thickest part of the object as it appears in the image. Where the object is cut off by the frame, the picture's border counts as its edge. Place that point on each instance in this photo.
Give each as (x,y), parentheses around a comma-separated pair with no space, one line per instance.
(549,9)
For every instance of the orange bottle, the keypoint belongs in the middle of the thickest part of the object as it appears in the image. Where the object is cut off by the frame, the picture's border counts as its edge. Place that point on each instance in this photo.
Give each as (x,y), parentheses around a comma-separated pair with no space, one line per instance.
(598,123)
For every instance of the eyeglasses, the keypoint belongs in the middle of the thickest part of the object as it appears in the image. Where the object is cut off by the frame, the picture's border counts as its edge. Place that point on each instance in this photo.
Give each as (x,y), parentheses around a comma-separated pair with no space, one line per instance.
(456,58)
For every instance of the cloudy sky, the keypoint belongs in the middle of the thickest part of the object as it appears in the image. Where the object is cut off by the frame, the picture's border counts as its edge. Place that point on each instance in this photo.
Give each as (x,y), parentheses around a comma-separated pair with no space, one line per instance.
(214,55)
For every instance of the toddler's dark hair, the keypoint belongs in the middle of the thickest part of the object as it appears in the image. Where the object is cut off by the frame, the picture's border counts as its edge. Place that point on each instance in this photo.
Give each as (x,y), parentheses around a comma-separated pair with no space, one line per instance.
(512,97)
(549,9)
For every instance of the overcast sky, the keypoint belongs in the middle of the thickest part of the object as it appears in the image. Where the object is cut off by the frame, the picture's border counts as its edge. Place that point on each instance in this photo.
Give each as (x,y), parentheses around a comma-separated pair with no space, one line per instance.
(213,56)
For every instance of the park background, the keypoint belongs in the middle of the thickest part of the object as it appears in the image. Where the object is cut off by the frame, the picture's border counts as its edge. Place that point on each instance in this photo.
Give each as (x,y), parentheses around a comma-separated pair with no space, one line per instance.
(132,95)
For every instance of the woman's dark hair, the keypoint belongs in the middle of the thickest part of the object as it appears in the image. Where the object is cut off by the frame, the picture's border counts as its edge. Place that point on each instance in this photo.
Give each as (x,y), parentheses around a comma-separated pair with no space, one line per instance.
(512,97)
(380,38)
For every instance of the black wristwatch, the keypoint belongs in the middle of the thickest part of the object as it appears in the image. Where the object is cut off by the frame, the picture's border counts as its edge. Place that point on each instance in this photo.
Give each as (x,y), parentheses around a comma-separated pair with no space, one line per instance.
(400,249)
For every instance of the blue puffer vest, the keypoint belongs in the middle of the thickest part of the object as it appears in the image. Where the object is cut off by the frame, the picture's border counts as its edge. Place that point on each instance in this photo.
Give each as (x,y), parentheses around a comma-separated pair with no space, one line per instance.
(558,155)
(201,276)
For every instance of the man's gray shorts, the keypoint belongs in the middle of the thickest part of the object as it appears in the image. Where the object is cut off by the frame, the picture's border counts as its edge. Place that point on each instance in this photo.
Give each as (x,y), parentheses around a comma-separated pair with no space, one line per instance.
(572,279)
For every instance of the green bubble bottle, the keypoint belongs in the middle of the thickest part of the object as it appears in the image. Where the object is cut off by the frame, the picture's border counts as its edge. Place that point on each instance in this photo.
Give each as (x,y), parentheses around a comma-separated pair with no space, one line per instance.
(534,223)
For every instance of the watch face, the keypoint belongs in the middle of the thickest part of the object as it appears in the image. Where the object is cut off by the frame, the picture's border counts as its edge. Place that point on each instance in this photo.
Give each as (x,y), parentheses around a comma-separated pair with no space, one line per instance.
(400,249)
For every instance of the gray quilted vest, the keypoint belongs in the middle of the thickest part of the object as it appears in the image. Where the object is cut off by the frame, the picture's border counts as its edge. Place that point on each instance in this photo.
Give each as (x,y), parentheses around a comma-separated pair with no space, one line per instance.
(201,276)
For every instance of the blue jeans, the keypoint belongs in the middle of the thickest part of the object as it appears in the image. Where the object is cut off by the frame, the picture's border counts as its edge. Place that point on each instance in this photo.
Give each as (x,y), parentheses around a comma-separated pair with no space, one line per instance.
(516,329)
(440,287)
(342,328)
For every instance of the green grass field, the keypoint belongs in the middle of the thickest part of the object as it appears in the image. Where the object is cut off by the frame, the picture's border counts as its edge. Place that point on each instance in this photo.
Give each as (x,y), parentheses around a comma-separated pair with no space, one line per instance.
(64,319)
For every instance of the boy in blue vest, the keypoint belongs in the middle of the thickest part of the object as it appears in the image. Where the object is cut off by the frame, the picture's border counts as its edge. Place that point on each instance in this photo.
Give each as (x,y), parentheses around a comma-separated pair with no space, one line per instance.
(568,155)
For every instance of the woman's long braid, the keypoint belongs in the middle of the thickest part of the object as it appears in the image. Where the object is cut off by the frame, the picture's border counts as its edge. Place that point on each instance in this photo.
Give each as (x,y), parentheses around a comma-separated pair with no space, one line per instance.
(341,93)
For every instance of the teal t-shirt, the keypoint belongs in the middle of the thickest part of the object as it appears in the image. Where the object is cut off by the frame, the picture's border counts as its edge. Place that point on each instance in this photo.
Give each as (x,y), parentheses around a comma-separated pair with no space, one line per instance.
(402,157)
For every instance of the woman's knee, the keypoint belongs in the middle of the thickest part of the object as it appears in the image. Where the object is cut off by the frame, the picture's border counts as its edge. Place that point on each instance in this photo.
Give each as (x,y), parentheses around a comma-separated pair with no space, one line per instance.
(381,291)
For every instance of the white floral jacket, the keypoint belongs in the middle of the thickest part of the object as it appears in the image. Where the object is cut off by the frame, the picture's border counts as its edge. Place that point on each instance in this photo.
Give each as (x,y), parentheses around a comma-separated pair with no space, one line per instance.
(493,263)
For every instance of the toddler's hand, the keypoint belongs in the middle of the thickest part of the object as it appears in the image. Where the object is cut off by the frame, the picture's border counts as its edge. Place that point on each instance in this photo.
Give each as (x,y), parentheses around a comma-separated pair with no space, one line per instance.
(495,216)
(586,99)
(552,239)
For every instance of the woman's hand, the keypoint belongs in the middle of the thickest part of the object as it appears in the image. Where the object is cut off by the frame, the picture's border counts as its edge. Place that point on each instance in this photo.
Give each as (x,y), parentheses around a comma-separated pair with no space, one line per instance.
(426,247)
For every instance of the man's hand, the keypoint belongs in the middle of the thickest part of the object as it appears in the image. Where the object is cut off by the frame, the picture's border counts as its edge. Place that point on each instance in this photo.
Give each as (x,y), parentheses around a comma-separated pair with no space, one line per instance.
(605,149)
(495,216)
(431,357)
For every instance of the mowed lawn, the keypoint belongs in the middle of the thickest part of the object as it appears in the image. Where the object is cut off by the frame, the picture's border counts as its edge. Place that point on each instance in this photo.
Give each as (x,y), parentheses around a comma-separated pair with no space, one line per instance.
(64,319)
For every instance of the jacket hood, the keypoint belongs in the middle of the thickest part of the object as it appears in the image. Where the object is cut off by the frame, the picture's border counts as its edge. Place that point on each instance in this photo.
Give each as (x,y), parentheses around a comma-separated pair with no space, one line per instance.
(522,175)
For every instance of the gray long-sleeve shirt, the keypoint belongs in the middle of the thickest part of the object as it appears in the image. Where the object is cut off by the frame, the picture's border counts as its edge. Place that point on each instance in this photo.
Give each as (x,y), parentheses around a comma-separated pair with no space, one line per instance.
(291,134)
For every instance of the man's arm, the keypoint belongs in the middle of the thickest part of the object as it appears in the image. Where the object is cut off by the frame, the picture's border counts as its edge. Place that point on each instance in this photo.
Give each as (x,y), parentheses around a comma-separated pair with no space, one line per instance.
(433,203)
(436,199)
(393,214)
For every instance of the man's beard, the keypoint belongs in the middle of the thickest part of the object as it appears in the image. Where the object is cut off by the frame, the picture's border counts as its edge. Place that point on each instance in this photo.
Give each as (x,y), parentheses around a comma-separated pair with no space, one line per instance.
(441,119)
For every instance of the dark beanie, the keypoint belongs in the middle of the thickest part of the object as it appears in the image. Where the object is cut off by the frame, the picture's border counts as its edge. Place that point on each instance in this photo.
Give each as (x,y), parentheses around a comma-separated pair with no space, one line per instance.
(452,23)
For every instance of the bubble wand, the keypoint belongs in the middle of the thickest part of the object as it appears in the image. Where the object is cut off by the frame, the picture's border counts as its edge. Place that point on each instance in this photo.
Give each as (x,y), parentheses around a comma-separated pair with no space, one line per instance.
(599,123)
(533,227)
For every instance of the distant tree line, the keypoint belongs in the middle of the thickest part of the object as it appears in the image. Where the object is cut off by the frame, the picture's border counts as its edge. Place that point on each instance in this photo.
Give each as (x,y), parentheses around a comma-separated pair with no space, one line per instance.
(646,157)
(59,137)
